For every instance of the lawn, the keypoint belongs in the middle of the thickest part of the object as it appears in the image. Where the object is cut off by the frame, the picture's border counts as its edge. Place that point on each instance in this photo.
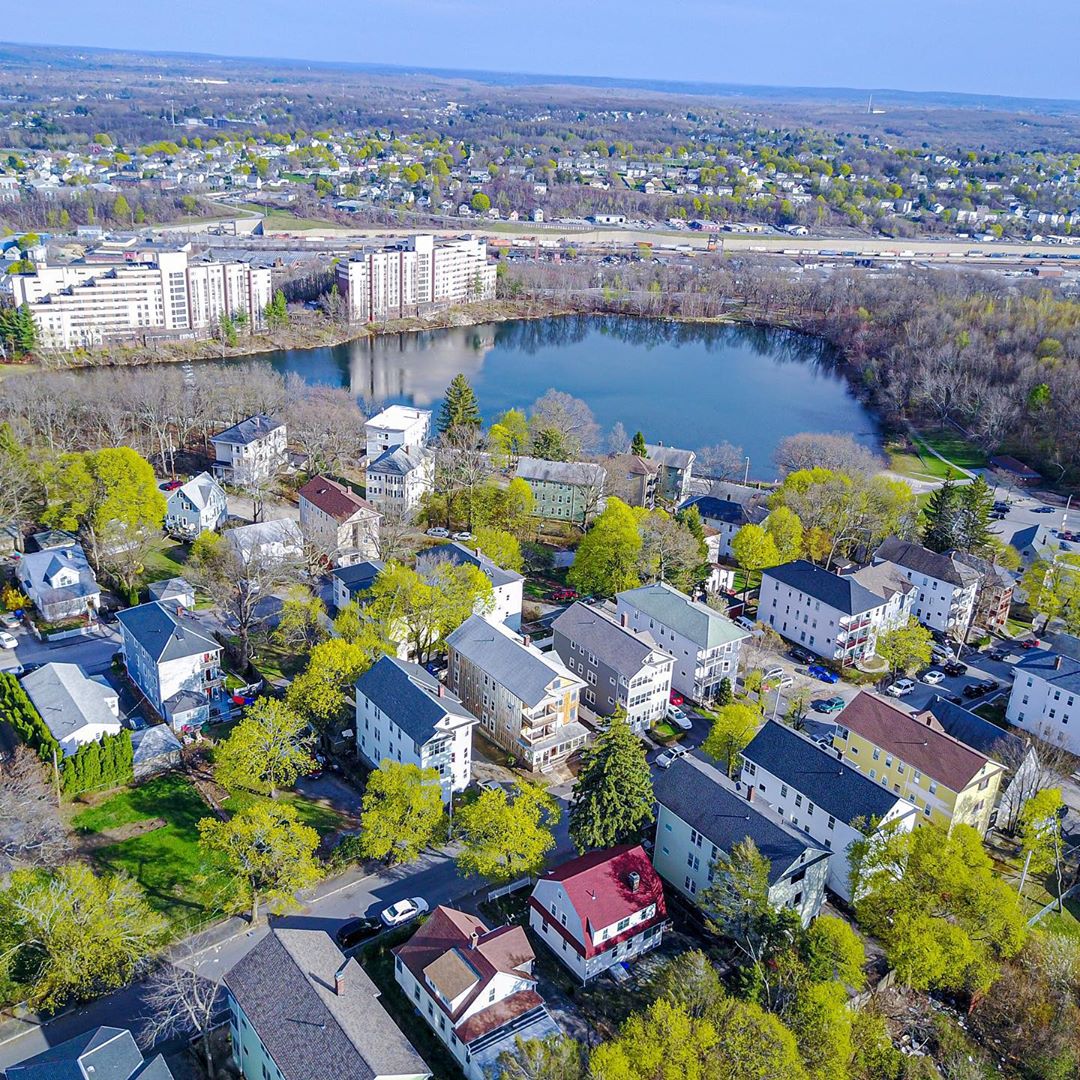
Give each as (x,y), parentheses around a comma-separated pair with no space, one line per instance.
(913,466)
(323,819)
(165,559)
(277,662)
(994,711)
(166,861)
(953,446)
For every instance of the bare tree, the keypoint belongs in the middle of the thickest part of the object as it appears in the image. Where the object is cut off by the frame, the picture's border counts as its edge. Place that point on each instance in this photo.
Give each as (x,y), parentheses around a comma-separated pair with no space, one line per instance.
(840,453)
(31,830)
(724,461)
(570,415)
(394,540)
(1032,764)
(325,423)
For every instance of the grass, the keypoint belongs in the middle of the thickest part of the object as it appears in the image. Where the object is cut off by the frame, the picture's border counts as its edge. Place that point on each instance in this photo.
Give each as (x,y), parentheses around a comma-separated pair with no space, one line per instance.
(994,711)
(166,559)
(167,861)
(323,819)
(277,662)
(1065,922)
(912,466)
(953,446)
(665,731)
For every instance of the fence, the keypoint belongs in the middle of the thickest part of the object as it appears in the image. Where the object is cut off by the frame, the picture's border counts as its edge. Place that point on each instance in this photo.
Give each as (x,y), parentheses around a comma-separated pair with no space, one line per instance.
(506,890)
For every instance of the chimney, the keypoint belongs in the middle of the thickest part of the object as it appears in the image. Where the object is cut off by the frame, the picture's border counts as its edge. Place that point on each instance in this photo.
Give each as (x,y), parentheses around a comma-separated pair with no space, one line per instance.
(441,690)
(339,979)
(635,880)
(474,939)
(624,619)
(526,641)
(1057,663)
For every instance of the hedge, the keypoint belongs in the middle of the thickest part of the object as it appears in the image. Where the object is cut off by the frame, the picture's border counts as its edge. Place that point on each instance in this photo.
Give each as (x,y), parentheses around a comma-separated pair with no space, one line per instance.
(103,763)
(18,710)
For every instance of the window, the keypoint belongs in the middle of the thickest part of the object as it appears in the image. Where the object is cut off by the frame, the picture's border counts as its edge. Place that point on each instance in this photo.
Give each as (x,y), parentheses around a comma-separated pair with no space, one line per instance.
(798,800)
(783,791)
(832,822)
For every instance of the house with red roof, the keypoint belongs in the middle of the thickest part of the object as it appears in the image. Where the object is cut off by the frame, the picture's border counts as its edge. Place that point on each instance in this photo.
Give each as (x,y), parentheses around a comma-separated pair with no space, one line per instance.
(601,909)
(338,522)
(474,987)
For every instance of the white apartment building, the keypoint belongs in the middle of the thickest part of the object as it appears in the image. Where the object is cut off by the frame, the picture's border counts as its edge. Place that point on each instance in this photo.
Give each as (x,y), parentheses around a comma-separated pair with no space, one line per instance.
(397,425)
(84,304)
(337,522)
(414,275)
(704,643)
(404,714)
(1045,698)
(835,616)
(507,586)
(250,452)
(399,469)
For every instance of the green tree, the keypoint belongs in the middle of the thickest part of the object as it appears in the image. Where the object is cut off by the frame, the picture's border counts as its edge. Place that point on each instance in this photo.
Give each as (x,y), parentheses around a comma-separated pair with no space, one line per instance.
(941,517)
(501,547)
(402,812)
(459,408)
(691,981)
(504,838)
(613,797)
(1039,824)
(786,530)
(833,952)
(509,434)
(664,1041)
(276,312)
(724,693)
(637,445)
(300,625)
(1053,590)
(905,648)
(480,203)
(607,557)
(268,851)
(70,934)
(733,726)
(975,504)
(322,692)
(266,751)
(753,549)
(121,209)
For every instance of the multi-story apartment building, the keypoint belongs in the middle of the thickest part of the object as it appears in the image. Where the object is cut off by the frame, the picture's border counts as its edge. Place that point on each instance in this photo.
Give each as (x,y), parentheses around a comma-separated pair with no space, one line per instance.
(675,470)
(947,587)
(623,668)
(1045,698)
(86,303)
(414,275)
(404,714)
(337,522)
(399,469)
(994,599)
(527,703)
(701,816)
(834,803)
(835,616)
(949,782)
(250,452)
(726,516)
(507,586)
(397,425)
(563,490)
(704,644)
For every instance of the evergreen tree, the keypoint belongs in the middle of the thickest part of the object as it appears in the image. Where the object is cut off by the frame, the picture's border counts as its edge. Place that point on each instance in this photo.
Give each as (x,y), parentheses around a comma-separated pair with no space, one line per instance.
(941,517)
(91,777)
(724,695)
(459,407)
(613,797)
(637,445)
(976,503)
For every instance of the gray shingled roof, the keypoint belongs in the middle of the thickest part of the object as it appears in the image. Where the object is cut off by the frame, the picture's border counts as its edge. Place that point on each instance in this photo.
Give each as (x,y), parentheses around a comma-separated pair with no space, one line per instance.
(104,1053)
(838,788)
(574,473)
(247,431)
(690,618)
(1054,667)
(707,800)
(726,510)
(922,560)
(396,461)
(970,728)
(165,634)
(619,647)
(523,671)
(460,555)
(841,592)
(198,490)
(670,457)
(409,695)
(285,986)
(68,700)
(359,577)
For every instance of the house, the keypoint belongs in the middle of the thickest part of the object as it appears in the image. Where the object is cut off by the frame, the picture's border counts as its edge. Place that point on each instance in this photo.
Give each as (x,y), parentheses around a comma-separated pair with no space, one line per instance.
(251,452)
(704,643)
(993,601)
(835,616)
(727,517)
(298,1010)
(622,667)
(351,582)
(1045,698)
(279,540)
(77,709)
(636,480)
(105,1053)
(564,490)
(198,506)
(701,816)
(676,470)
(950,782)
(172,660)
(507,586)
(405,714)
(526,702)
(335,520)
(59,582)
(154,749)
(398,425)
(947,587)
(177,589)
(398,479)
(474,987)
(600,909)
(832,802)
(1034,542)
(1015,470)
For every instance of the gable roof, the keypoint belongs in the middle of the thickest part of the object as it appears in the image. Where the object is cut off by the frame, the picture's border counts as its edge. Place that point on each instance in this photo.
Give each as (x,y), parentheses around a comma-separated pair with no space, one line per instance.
(164,633)
(39,568)
(843,593)
(941,565)
(68,700)
(671,457)
(396,461)
(460,555)
(334,499)
(247,431)
(838,788)
(286,988)
(103,1053)
(690,618)
(974,731)
(1054,667)
(572,473)
(707,801)
(524,671)
(410,696)
(360,576)
(726,510)
(198,490)
(617,646)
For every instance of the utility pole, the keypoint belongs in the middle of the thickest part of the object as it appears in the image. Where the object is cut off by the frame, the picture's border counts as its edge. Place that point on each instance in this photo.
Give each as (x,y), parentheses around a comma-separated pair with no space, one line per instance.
(746,472)
(56,776)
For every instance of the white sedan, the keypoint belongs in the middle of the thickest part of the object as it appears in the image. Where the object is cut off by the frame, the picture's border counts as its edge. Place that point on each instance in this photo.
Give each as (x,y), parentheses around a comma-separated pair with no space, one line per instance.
(933,677)
(7,641)
(404,911)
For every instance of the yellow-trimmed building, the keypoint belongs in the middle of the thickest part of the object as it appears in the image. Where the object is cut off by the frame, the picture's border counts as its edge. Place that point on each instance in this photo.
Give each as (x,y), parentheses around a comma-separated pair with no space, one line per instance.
(947,780)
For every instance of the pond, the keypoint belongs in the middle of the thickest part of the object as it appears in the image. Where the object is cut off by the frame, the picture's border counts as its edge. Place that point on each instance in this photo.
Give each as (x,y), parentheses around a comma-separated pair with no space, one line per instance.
(683,384)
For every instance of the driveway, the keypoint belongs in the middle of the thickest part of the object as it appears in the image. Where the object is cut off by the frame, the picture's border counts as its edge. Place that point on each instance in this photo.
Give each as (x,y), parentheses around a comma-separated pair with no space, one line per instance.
(93,652)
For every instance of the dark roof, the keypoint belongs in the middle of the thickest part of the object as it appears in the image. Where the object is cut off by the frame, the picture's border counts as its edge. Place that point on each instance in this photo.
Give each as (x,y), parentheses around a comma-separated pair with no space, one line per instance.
(922,560)
(843,593)
(460,555)
(360,576)
(838,788)
(104,1053)
(972,729)
(707,800)
(1008,463)
(286,988)
(164,633)
(396,461)
(333,498)
(1054,667)
(713,509)
(254,427)
(671,457)
(618,646)
(409,695)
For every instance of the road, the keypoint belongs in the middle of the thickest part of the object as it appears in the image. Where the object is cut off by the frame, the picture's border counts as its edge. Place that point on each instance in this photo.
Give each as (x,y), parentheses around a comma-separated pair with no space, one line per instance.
(94,651)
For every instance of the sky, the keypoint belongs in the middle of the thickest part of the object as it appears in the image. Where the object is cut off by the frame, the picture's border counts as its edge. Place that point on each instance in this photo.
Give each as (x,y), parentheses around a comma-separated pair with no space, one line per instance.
(976,46)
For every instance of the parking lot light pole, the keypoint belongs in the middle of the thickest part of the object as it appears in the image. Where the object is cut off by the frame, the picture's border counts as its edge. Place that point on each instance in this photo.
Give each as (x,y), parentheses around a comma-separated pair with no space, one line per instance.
(776,701)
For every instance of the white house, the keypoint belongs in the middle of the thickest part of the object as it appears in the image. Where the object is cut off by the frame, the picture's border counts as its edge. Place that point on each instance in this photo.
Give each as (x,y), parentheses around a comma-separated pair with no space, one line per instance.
(404,714)
(277,540)
(251,452)
(507,586)
(397,425)
(59,582)
(600,909)
(351,582)
(398,479)
(1045,698)
(704,643)
(811,788)
(76,709)
(339,522)
(196,507)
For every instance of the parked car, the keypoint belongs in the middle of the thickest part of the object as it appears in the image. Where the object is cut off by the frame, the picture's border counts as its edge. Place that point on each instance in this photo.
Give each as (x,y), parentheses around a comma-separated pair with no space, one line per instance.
(801,655)
(439,532)
(404,911)
(669,756)
(829,705)
(954,668)
(978,689)
(10,620)
(562,596)
(1029,643)
(676,698)
(355,931)
(773,673)
(489,785)
(172,485)
(678,717)
(7,641)
(933,677)
(818,671)
(1043,510)
(463,535)
(942,653)
(900,688)
(745,623)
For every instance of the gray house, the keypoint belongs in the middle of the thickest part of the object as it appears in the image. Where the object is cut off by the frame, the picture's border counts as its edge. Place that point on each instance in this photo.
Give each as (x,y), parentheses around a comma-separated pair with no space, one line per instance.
(198,506)
(622,667)
(105,1053)
(701,816)
(676,469)
(59,582)
(250,452)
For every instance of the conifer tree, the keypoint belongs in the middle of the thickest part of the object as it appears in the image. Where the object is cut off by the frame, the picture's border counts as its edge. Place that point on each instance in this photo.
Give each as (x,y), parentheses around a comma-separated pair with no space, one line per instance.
(976,503)
(941,517)
(637,445)
(459,408)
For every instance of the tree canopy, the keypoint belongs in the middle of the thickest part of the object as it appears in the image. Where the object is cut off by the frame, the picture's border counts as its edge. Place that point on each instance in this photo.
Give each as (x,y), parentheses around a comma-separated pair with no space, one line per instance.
(402,812)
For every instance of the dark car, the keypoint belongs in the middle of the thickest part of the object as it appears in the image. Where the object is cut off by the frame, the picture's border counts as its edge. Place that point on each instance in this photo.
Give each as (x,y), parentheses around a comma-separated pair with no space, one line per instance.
(801,655)
(977,689)
(356,931)
(1043,510)
(829,705)
(819,671)
(954,668)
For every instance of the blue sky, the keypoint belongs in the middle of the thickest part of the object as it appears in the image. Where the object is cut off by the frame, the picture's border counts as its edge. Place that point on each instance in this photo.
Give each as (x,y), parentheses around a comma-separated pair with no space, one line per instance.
(980,46)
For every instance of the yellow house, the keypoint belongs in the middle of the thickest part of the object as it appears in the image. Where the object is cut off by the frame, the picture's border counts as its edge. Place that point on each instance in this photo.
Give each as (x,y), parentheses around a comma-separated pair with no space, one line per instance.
(913,757)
